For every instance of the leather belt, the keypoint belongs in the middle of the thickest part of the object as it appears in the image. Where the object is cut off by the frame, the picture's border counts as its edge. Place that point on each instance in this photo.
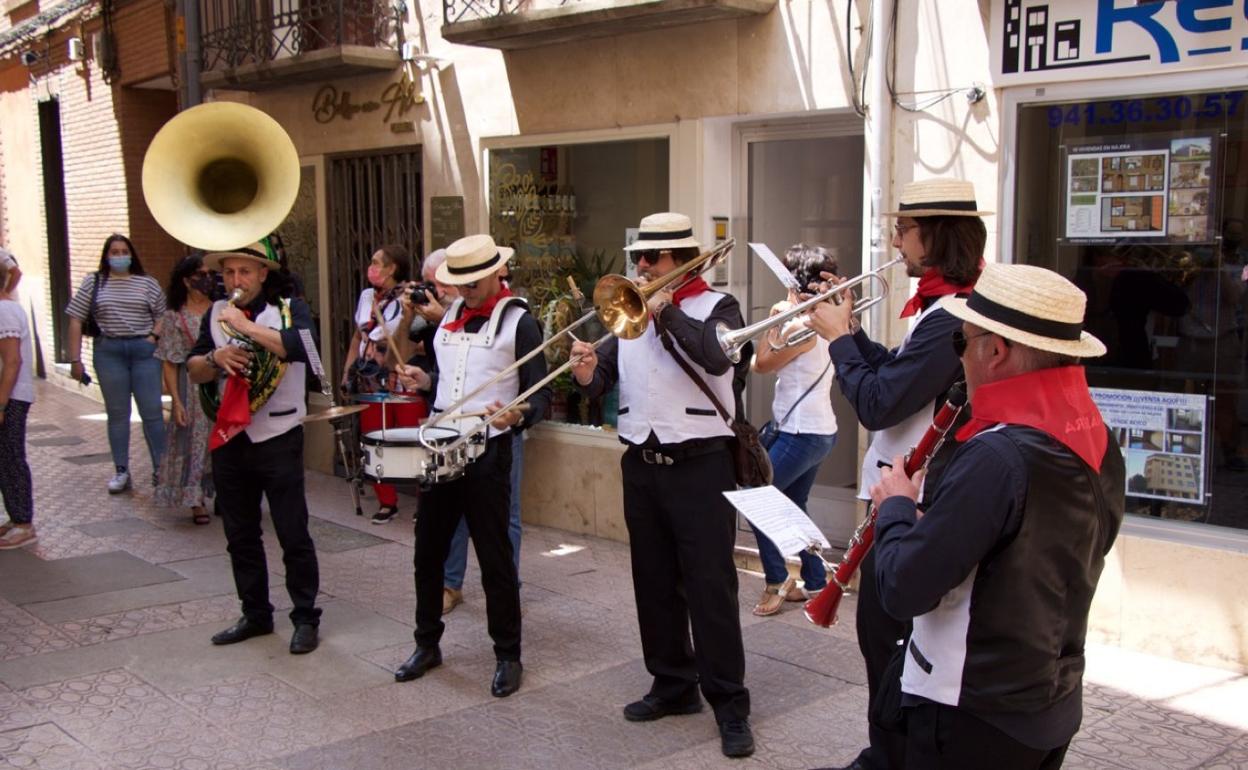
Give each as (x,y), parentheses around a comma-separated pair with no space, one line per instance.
(671,455)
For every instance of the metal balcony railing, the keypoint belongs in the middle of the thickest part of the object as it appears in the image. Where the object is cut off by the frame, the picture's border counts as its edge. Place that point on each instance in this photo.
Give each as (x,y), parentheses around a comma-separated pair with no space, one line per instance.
(242,32)
(474,10)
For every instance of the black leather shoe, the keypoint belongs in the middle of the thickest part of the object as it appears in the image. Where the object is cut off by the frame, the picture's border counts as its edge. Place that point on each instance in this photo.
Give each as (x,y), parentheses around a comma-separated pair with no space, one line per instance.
(303,640)
(735,738)
(421,661)
(506,678)
(650,708)
(241,631)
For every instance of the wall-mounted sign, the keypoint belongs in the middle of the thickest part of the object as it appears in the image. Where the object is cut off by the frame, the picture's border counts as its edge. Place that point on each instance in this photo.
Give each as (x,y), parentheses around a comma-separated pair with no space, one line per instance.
(1037,41)
(446,220)
(393,103)
(1162,438)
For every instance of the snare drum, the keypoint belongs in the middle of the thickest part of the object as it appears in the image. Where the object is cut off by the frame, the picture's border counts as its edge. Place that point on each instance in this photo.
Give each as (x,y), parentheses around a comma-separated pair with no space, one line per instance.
(397,455)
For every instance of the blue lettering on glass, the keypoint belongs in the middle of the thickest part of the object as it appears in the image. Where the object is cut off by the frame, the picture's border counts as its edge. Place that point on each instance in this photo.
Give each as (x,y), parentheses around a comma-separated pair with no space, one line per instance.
(1153,110)
(1186,10)
(1107,16)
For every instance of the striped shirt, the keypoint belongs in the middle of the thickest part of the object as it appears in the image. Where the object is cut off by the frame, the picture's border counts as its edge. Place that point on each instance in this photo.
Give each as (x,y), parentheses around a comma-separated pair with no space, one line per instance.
(124,307)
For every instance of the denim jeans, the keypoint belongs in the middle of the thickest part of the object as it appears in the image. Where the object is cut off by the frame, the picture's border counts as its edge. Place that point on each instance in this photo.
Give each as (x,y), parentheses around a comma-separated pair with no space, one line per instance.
(457,558)
(795,459)
(129,367)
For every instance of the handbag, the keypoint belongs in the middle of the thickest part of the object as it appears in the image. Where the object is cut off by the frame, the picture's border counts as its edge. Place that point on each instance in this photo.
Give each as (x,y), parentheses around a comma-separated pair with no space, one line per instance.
(771,429)
(90,326)
(750,460)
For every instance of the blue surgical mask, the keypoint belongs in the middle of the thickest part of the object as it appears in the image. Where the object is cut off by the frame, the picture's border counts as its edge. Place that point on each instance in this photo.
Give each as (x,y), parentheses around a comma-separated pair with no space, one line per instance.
(119,263)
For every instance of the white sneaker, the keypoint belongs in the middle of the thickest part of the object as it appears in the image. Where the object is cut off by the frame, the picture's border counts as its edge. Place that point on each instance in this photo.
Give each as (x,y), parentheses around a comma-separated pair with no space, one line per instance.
(17,536)
(119,483)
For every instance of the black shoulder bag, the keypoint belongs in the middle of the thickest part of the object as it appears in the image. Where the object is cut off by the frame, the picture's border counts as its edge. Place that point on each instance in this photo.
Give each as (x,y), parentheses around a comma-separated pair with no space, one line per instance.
(91,327)
(750,460)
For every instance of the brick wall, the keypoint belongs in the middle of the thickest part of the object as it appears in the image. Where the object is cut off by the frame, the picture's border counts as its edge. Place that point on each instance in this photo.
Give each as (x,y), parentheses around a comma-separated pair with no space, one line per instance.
(143,41)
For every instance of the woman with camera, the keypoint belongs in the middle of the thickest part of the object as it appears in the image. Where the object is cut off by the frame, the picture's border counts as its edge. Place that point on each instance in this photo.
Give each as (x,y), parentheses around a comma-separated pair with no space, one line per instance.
(802,430)
(369,364)
(119,305)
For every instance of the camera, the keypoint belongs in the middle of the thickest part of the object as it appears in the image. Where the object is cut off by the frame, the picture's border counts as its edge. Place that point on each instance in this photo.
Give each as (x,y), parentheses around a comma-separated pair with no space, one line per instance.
(422,292)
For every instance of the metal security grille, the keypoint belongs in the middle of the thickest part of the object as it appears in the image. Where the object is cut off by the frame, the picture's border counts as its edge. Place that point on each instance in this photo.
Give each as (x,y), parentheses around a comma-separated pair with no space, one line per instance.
(373,200)
(239,32)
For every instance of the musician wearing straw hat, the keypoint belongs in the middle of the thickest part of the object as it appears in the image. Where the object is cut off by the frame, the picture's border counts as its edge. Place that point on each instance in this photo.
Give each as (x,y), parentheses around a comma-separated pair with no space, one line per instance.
(999,572)
(895,393)
(482,335)
(681,528)
(257,441)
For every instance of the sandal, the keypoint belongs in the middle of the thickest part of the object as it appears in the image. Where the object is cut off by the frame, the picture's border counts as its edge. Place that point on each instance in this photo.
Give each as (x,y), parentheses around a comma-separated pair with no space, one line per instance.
(773,598)
(200,517)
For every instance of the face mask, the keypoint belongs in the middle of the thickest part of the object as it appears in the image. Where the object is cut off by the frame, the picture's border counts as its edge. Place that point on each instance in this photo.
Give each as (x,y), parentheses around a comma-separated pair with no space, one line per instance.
(204,284)
(374,275)
(119,263)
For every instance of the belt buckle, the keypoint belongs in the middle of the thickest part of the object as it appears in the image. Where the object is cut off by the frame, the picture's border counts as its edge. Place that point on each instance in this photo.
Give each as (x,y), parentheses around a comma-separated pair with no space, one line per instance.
(656,458)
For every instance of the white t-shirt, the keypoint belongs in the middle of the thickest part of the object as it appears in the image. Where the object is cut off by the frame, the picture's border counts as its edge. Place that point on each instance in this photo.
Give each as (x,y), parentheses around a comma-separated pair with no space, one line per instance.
(392,311)
(814,413)
(13,324)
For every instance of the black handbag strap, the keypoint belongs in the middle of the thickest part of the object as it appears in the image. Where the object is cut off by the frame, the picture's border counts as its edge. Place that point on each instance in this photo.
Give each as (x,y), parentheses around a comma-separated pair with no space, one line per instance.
(95,289)
(802,397)
(667,343)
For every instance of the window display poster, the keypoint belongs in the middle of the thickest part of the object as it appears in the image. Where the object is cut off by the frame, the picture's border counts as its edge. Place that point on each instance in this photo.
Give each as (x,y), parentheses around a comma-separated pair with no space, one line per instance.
(1162,438)
(1158,189)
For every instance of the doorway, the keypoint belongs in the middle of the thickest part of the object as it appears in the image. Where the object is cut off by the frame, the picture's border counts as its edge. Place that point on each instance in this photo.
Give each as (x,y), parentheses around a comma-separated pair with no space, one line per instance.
(807,188)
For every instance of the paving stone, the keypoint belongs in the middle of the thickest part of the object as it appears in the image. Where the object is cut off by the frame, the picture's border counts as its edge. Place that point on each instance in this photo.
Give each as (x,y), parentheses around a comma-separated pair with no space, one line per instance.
(118,528)
(41,428)
(47,747)
(94,458)
(25,578)
(335,538)
(56,441)
(23,635)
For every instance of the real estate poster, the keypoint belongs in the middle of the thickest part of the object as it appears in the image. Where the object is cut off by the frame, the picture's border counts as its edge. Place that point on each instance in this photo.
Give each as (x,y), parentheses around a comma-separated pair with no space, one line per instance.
(1162,439)
(1157,188)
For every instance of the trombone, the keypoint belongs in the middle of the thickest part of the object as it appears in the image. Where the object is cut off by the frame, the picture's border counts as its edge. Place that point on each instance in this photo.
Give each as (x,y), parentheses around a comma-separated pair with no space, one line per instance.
(732,341)
(619,304)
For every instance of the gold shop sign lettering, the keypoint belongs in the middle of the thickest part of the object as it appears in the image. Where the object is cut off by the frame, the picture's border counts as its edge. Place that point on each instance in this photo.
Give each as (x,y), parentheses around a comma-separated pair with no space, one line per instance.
(397,99)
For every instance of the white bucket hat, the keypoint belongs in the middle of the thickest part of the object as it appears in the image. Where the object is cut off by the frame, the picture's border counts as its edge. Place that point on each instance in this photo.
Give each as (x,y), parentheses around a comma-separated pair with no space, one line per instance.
(1030,305)
(938,198)
(472,258)
(667,230)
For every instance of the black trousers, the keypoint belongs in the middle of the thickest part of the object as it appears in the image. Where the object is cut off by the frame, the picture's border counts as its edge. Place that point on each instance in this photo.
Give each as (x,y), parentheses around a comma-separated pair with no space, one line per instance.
(940,737)
(878,633)
(483,497)
(682,531)
(243,472)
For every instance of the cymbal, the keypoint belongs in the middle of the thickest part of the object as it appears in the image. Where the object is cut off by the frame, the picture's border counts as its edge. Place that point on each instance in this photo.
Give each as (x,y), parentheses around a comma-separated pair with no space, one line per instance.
(384,398)
(334,412)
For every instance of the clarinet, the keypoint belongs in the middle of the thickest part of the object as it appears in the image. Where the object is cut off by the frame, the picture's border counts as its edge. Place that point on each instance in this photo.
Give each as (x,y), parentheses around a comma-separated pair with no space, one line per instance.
(821,610)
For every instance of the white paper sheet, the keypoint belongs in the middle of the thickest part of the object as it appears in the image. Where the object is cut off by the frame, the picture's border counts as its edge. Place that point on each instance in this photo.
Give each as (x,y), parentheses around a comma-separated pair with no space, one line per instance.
(779,518)
(773,262)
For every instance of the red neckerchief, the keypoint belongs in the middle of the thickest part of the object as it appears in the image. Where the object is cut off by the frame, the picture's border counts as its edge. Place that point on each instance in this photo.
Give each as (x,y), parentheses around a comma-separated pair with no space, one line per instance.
(1055,401)
(690,288)
(932,284)
(234,413)
(483,311)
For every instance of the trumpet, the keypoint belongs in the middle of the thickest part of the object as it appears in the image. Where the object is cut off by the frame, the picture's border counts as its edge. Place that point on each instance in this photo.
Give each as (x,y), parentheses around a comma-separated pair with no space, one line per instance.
(732,341)
(619,304)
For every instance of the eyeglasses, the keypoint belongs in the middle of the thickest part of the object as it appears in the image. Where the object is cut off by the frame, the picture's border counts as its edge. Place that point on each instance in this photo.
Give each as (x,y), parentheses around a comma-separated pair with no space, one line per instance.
(900,230)
(960,341)
(649,256)
(470,285)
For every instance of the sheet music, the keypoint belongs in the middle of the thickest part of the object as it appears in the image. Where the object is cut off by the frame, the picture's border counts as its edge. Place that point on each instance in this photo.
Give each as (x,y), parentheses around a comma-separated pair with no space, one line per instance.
(314,361)
(772,261)
(779,518)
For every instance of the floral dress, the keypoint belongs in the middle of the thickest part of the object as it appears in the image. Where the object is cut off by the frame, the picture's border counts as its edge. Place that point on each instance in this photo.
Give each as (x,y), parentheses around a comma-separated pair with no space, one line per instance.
(185,474)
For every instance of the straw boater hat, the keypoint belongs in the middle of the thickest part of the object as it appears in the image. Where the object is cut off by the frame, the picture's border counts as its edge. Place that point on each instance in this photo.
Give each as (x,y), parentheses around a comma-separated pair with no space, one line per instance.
(938,198)
(1030,305)
(472,258)
(667,230)
(259,252)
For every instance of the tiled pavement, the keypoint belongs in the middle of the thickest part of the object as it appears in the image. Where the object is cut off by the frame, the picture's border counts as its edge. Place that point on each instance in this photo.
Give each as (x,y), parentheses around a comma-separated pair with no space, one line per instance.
(105,661)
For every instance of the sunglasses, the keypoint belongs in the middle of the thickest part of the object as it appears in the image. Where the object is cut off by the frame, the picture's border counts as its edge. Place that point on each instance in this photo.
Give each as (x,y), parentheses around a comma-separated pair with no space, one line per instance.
(649,256)
(960,341)
(471,285)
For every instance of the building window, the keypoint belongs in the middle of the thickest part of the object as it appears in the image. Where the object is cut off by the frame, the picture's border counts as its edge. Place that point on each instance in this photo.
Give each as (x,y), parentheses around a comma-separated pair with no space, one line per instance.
(567,210)
(1140,200)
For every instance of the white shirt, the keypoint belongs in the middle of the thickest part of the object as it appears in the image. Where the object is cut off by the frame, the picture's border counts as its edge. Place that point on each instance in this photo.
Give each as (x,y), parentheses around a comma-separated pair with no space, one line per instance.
(13,324)
(813,413)
(392,311)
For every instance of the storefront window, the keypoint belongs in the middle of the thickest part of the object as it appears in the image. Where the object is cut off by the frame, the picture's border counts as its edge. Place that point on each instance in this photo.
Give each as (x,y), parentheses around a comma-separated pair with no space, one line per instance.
(567,210)
(1140,200)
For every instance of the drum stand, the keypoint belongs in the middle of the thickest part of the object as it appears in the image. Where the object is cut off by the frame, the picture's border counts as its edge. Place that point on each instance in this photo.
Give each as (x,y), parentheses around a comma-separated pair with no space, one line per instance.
(351,464)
